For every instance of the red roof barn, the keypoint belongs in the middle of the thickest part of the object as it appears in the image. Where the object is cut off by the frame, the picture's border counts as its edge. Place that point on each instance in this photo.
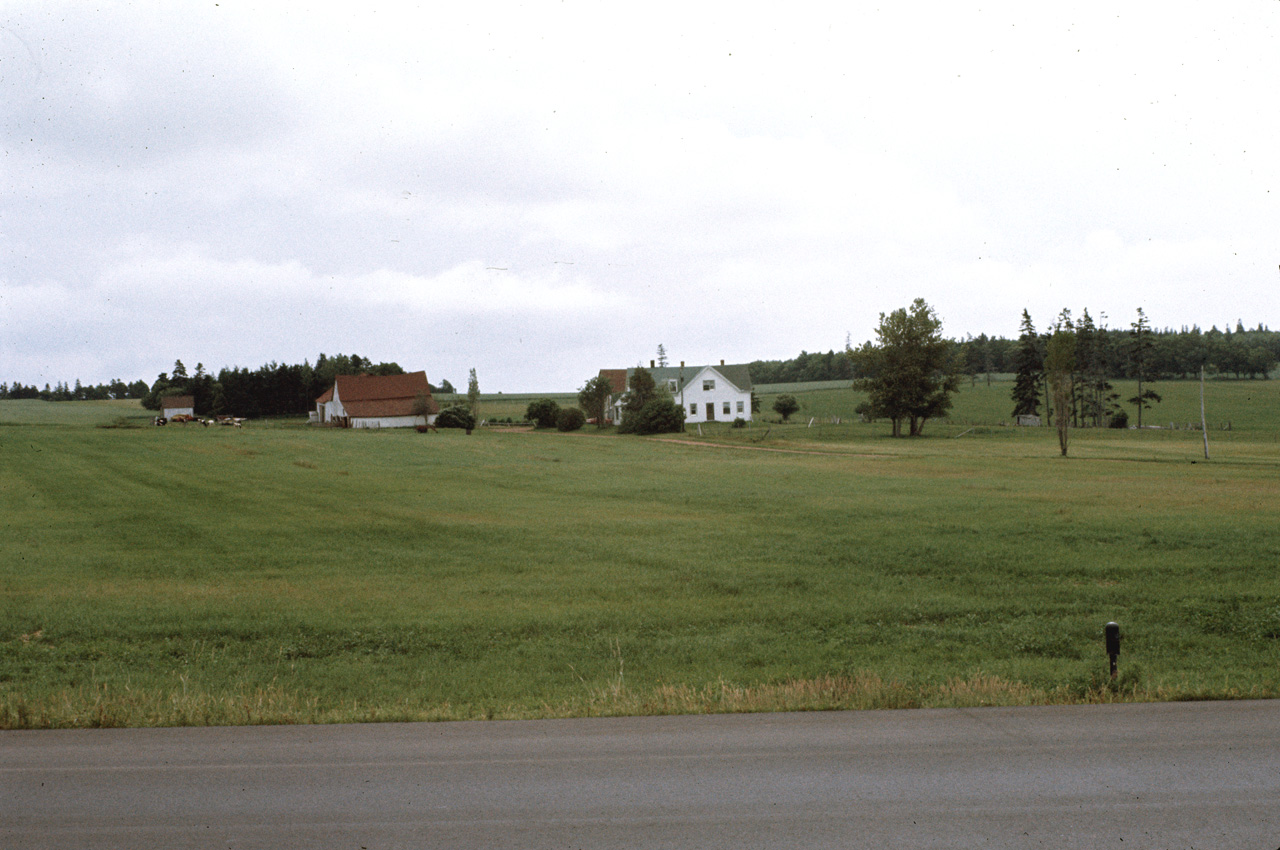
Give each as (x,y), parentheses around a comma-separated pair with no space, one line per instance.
(377,401)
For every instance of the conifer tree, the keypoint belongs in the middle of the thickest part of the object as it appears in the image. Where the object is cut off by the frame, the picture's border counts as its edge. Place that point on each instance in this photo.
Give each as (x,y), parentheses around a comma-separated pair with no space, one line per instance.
(1140,346)
(1029,360)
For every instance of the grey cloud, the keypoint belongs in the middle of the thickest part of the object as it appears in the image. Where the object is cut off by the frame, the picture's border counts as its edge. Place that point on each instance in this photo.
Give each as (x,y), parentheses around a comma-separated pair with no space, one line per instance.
(119,86)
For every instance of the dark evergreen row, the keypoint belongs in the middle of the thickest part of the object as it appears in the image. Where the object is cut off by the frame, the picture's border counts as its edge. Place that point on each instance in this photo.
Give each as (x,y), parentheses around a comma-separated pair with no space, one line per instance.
(1174,354)
(276,389)
(1070,366)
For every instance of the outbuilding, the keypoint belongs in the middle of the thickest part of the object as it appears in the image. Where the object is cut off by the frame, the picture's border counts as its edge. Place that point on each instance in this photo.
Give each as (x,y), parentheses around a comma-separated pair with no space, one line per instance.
(177,405)
(377,401)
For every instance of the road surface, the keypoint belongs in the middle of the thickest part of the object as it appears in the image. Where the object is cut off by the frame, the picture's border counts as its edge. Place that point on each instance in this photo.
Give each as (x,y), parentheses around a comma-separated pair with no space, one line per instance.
(1190,775)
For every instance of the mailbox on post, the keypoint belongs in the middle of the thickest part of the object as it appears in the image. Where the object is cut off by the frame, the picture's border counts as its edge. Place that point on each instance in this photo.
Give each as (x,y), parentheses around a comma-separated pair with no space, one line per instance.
(1112,631)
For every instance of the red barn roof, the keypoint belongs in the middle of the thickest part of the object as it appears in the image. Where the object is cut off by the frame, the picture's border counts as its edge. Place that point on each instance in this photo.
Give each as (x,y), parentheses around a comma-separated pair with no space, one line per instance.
(380,395)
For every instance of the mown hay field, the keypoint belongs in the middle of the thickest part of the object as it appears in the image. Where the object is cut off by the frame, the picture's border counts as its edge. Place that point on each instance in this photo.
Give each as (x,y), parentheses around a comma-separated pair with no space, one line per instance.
(283,573)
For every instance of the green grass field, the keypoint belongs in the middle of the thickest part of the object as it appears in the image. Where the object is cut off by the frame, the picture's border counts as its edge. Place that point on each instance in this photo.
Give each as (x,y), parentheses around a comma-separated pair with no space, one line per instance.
(282,573)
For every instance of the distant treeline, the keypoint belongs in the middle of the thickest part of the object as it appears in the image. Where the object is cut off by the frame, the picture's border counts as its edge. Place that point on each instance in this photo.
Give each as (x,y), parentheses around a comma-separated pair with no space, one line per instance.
(271,390)
(62,392)
(832,366)
(276,389)
(281,389)
(1174,354)
(1238,353)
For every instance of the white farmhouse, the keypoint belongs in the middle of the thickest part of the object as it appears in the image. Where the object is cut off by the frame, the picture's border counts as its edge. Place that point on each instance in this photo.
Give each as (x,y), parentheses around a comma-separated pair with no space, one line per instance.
(375,401)
(707,393)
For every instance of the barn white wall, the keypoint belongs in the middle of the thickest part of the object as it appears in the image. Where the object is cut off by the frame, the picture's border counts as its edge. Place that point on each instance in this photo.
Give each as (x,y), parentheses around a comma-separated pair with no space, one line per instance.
(388,422)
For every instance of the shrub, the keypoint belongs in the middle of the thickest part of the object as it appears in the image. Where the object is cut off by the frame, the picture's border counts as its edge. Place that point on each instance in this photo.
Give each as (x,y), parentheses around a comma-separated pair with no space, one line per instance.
(456,416)
(1119,419)
(544,413)
(786,405)
(739,423)
(659,416)
(571,419)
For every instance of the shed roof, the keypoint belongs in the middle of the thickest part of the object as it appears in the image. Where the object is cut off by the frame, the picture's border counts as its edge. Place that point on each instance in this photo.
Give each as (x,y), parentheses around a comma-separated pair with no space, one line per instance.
(177,402)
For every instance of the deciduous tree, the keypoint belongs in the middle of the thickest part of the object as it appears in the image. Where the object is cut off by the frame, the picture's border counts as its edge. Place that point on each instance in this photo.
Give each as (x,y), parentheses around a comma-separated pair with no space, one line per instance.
(473,394)
(1059,365)
(911,371)
(424,405)
(786,405)
(544,412)
(641,390)
(594,398)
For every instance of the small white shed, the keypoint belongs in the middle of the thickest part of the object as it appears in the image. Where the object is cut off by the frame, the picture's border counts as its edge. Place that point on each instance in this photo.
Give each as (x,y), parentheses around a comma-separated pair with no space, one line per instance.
(177,405)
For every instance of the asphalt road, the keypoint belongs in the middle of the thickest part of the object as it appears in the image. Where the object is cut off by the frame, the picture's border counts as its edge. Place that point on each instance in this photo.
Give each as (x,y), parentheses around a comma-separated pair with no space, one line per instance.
(1191,775)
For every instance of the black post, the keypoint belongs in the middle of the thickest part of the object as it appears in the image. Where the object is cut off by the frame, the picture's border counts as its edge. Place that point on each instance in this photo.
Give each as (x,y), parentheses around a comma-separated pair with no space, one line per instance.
(1112,631)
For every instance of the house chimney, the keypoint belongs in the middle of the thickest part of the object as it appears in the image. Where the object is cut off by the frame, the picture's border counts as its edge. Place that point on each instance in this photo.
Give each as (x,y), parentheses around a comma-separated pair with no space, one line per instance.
(650,364)
(721,362)
(681,364)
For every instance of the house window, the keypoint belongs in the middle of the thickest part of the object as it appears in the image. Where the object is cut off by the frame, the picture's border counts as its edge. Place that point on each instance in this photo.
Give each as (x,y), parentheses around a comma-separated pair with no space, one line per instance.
(693,408)
(671,384)
(739,407)
(708,385)
(726,408)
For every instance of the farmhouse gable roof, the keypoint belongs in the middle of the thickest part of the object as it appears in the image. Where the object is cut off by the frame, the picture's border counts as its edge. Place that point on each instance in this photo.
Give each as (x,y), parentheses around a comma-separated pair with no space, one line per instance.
(617,379)
(737,374)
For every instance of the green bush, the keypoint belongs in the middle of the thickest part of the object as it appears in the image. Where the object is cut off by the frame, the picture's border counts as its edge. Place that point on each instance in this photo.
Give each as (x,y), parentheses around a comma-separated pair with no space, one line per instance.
(1120,419)
(456,416)
(739,422)
(544,413)
(571,419)
(786,405)
(659,416)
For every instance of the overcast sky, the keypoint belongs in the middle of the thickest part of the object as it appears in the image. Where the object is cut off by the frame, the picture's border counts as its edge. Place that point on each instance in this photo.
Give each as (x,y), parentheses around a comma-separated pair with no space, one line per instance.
(545,189)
